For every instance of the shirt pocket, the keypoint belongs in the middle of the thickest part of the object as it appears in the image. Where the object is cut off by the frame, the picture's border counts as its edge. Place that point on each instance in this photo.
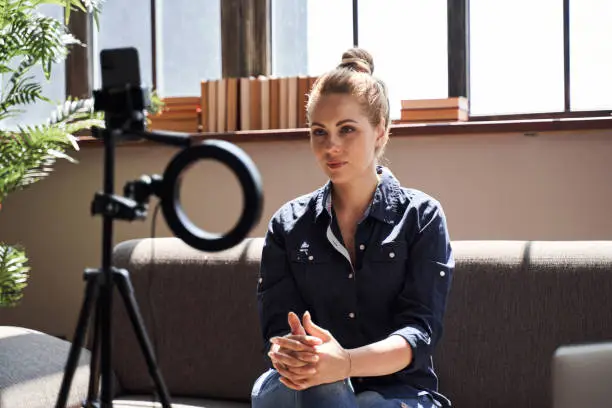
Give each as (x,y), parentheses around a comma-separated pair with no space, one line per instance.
(384,273)
(312,271)
(394,252)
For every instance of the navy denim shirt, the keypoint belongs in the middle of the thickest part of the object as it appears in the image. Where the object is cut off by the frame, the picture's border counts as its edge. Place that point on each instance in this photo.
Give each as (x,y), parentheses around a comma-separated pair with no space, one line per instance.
(398,285)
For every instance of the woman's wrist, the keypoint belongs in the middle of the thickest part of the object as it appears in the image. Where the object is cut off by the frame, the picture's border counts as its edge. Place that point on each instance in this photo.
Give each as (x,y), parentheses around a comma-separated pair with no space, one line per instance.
(350,363)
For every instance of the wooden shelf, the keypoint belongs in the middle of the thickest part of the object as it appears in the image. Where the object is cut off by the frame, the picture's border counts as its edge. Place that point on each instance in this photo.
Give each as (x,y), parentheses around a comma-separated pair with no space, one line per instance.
(529,127)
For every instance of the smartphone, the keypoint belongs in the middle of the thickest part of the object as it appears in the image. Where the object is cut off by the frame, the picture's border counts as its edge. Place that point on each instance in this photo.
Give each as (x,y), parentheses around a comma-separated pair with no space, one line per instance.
(120,67)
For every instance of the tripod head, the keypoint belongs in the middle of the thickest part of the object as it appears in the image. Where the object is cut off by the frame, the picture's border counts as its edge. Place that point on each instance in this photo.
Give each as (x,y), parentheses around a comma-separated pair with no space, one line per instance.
(124,102)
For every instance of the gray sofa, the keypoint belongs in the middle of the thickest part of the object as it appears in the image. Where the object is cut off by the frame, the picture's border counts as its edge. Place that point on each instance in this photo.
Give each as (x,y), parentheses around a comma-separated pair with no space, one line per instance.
(512,304)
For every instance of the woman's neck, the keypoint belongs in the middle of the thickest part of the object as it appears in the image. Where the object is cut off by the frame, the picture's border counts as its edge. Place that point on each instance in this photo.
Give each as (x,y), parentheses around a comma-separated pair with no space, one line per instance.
(353,198)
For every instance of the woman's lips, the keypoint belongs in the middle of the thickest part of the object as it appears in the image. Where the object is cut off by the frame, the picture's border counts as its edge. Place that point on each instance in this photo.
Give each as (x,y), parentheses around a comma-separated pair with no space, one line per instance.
(335,164)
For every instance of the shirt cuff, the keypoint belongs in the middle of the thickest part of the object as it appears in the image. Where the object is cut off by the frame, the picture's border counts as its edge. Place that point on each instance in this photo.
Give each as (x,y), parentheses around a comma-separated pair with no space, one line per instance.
(420,343)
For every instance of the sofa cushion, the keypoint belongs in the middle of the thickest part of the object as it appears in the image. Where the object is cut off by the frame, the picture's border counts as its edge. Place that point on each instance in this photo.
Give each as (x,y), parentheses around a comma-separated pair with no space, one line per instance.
(200,310)
(32,368)
(142,401)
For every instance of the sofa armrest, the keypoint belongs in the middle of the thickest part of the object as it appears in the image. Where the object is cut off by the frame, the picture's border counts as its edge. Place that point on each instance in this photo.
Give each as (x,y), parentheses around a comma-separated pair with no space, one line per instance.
(32,368)
(581,375)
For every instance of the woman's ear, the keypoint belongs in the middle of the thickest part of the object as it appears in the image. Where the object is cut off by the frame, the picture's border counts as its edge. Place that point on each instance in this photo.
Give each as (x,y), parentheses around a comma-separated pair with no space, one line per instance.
(380,133)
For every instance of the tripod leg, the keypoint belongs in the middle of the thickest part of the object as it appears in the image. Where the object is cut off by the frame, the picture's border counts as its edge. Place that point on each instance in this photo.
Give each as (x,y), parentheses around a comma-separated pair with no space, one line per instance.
(127,293)
(91,295)
(94,367)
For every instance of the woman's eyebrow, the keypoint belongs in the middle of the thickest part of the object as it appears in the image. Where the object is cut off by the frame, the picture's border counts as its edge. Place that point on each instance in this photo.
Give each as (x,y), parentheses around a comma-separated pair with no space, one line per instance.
(343,121)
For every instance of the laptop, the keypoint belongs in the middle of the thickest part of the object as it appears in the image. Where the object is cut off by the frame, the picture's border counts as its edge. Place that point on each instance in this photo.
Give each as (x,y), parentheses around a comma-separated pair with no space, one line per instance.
(582,376)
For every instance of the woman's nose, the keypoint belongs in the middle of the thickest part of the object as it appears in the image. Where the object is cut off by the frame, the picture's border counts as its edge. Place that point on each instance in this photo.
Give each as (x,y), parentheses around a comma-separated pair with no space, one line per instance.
(333,142)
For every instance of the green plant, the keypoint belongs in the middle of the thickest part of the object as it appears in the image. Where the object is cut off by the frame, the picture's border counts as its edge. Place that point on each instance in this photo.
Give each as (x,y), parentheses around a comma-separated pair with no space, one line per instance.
(13,273)
(29,39)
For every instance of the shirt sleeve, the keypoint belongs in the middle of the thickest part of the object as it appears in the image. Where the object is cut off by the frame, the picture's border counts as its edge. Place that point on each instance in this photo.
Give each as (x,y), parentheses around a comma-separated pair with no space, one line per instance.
(277,292)
(422,301)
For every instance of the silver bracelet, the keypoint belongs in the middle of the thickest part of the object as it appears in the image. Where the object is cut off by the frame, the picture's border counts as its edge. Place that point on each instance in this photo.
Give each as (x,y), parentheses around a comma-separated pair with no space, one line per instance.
(350,364)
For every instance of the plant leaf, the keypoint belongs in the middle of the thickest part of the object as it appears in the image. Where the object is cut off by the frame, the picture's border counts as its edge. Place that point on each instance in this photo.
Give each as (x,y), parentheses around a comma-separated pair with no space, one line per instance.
(14,272)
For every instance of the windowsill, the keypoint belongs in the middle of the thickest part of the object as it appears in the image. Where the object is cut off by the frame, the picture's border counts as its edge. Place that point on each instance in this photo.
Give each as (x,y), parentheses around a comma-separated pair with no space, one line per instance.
(528,127)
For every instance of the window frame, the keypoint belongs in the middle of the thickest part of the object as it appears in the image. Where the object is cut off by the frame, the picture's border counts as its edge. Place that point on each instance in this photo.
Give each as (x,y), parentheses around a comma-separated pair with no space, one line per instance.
(79,70)
(459,66)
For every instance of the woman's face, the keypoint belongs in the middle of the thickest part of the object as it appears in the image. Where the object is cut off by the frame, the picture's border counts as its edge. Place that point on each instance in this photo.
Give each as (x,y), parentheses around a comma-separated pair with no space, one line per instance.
(342,138)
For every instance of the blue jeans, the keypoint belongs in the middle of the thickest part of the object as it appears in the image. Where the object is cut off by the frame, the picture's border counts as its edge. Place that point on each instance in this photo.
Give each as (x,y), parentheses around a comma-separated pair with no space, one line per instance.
(269,392)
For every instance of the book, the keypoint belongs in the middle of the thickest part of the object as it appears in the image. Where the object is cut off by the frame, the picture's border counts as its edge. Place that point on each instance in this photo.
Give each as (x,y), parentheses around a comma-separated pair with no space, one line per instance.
(232,104)
(447,114)
(458,102)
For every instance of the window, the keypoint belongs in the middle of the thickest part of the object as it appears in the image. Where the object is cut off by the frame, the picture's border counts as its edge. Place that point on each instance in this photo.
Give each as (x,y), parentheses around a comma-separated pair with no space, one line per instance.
(289,53)
(516,56)
(408,40)
(188,46)
(54,88)
(308,38)
(591,54)
(330,33)
(122,26)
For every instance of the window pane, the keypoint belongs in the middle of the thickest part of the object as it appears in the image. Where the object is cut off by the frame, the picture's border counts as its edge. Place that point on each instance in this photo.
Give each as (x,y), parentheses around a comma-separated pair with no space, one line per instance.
(189,45)
(122,26)
(516,56)
(330,33)
(308,37)
(591,54)
(289,37)
(408,41)
(54,88)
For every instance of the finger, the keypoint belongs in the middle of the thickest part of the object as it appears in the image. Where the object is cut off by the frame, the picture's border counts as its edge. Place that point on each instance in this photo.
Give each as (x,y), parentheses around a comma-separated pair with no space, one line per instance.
(278,365)
(303,372)
(304,356)
(306,339)
(290,375)
(292,385)
(315,330)
(286,359)
(292,344)
(295,324)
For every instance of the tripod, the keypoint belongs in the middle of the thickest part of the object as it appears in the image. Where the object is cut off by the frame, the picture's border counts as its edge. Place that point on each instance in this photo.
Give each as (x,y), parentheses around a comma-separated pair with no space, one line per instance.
(99,295)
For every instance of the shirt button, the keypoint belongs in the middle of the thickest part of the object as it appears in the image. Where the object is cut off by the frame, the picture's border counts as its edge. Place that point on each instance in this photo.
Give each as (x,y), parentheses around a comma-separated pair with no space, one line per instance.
(350,276)
(391,254)
(260,280)
(362,247)
(310,258)
(352,315)
(442,273)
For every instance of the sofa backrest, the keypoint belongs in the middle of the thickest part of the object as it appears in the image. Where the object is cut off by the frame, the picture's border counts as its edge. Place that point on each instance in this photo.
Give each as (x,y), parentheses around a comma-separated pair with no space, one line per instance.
(512,304)
(200,312)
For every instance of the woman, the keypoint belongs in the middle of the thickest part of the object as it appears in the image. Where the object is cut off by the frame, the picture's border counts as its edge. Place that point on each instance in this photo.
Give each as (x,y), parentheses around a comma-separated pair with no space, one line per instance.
(366,259)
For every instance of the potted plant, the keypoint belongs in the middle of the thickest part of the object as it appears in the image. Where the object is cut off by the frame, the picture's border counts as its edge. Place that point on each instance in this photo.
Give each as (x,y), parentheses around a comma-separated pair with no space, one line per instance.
(27,153)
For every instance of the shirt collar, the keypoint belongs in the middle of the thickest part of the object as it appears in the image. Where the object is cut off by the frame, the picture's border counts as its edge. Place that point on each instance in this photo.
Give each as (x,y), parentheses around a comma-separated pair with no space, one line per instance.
(385,203)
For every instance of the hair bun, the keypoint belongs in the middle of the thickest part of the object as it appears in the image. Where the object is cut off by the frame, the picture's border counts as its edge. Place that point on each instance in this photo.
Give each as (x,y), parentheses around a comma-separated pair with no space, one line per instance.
(358,60)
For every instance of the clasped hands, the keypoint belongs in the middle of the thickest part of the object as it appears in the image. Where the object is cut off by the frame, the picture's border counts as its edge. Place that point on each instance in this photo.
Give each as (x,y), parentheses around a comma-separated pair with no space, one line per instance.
(309,356)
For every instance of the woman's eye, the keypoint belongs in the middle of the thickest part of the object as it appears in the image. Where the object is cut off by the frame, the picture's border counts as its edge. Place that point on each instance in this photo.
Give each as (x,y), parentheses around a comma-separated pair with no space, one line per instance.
(318,132)
(347,129)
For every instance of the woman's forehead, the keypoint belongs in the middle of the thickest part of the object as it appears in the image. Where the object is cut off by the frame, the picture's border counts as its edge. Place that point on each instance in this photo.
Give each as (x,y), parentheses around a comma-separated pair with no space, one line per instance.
(336,106)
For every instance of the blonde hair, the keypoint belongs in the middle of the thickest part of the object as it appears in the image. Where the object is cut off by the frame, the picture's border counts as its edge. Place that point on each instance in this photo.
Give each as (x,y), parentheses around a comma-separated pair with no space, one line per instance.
(353,76)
